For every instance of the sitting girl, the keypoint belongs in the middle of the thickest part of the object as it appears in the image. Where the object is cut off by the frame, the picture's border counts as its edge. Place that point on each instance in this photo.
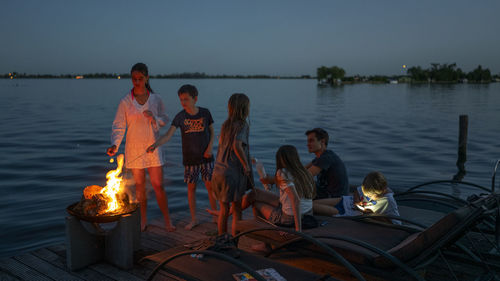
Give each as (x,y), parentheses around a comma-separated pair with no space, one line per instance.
(372,197)
(296,190)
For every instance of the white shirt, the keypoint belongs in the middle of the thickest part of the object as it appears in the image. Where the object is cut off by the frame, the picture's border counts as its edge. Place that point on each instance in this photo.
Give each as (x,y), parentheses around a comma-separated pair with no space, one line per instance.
(141,133)
(284,180)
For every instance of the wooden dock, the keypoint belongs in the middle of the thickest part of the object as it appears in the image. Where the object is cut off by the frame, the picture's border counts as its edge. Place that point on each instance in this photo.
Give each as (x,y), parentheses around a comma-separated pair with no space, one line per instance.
(49,263)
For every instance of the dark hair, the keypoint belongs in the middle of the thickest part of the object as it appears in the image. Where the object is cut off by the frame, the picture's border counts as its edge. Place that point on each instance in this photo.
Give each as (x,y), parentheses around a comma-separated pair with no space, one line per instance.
(238,108)
(287,157)
(320,134)
(142,68)
(375,183)
(188,89)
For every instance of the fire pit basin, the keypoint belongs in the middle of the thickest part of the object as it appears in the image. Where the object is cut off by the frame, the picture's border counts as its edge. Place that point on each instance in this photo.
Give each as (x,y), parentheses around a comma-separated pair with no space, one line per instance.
(100,218)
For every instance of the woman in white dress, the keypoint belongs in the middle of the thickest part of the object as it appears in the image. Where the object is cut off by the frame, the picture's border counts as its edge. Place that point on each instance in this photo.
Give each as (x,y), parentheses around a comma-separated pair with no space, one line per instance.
(140,114)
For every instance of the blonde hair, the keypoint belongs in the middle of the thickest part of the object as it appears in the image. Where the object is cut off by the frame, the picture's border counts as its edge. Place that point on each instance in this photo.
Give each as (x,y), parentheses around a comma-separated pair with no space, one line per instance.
(374,183)
(238,108)
(288,158)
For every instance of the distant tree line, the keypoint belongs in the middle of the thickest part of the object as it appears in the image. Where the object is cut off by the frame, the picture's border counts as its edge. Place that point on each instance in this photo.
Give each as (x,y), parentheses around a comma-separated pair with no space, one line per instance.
(185,75)
(330,75)
(437,73)
(449,73)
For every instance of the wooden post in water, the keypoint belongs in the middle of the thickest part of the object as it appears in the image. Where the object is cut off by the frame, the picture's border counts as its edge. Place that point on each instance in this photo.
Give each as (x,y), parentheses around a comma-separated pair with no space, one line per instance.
(462,147)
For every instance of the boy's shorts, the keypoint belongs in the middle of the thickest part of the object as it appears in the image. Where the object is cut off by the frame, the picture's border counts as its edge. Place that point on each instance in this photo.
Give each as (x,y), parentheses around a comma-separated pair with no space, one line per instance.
(191,173)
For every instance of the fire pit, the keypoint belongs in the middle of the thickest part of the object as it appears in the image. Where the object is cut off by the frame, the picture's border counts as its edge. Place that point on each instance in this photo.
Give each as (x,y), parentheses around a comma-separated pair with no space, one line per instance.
(103,225)
(99,219)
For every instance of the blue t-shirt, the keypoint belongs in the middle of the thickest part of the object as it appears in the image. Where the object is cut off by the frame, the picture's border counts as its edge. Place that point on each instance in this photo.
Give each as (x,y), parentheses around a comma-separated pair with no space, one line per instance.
(195,133)
(332,181)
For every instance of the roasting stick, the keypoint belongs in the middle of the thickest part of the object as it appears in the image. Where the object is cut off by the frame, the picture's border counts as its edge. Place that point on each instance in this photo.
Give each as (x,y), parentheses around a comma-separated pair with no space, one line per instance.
(137,157)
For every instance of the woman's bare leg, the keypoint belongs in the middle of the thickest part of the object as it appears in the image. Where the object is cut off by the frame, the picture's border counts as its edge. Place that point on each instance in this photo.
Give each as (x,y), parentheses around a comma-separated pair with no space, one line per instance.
(140,193)
(156,177)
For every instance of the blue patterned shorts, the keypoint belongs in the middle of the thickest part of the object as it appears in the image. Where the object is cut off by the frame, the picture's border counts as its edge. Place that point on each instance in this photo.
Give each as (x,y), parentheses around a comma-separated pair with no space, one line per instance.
(191,173)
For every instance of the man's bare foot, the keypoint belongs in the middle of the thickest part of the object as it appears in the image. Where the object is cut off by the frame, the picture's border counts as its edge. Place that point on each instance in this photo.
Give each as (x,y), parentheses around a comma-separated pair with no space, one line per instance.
(170,227)
(190,225)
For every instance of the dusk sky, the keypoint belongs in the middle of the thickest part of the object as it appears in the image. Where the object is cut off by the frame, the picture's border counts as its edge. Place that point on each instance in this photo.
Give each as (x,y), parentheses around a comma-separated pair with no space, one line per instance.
(247,37)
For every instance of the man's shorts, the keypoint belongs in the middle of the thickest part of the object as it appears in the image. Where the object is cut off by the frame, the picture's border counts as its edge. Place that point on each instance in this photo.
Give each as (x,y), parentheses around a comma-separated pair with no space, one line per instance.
(340,206)
(191,173)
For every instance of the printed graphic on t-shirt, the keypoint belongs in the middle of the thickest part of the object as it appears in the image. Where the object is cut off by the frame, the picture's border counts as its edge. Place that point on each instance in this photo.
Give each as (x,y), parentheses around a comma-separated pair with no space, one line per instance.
(194,125)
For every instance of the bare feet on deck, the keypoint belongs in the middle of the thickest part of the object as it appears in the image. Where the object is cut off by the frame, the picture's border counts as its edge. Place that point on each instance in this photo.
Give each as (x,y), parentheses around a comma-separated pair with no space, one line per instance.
(190,225)
(170,227)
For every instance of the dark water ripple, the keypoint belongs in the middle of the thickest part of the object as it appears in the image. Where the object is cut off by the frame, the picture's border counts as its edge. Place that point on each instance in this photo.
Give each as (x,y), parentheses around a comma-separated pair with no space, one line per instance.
(54,134)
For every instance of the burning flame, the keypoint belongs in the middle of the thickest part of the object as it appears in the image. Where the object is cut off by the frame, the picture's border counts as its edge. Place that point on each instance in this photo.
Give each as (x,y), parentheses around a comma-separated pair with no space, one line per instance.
(113,185)
(111,190)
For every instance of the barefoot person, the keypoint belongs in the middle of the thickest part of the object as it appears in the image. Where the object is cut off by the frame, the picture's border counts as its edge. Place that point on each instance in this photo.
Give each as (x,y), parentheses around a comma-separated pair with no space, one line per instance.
(139,114)
(296,191)
(197,133)
(232,175)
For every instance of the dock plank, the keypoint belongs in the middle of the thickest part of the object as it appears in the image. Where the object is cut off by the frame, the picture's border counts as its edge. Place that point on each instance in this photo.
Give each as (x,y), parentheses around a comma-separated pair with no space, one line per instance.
(46,268)
(114,272)
(21,271)
(5,276)
(60,262)
(49,263)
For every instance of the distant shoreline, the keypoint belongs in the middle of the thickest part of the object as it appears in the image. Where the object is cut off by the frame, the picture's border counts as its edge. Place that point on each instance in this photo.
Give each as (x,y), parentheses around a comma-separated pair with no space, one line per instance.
(373,79)
(160,76)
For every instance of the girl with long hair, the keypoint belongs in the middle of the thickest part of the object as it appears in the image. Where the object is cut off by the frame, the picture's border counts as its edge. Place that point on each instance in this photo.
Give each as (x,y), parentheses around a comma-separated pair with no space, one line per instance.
(232,175)
(296,191)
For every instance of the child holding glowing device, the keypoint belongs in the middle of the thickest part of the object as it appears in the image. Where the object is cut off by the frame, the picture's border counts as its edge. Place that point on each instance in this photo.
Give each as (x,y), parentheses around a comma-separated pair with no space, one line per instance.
(372,197)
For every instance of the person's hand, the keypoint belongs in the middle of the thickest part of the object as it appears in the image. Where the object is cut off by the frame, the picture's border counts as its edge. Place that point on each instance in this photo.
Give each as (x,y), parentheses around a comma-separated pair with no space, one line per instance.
(367,211)
(149,115)
(357,199)
(247,170)
(111,151)
(265,180)
(207,154)
(151,148)
(358,207)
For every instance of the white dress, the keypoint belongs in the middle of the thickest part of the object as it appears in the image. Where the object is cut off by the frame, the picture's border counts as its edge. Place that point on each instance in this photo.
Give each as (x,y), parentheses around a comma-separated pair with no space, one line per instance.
(140,132)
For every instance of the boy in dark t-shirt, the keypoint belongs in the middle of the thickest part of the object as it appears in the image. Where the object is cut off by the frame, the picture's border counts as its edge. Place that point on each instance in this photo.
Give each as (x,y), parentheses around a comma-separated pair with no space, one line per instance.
(197,133)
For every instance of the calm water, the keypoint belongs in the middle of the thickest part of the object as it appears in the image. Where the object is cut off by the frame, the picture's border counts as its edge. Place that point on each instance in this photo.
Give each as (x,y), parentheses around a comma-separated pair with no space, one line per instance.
(53,135)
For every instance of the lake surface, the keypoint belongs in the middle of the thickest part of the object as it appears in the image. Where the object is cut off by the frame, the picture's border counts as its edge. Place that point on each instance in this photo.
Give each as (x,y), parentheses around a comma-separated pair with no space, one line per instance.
(54,133)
